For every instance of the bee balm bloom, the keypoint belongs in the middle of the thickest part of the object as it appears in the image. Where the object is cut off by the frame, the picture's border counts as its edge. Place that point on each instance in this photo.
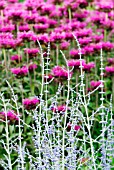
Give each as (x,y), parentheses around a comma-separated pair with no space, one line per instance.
(58,71)
(30,103)
(20,72)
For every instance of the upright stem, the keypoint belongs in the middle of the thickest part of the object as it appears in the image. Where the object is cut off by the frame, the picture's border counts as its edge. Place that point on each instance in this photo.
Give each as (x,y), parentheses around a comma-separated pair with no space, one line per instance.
(57,53)
(70,15)
(113,90)
(5,62)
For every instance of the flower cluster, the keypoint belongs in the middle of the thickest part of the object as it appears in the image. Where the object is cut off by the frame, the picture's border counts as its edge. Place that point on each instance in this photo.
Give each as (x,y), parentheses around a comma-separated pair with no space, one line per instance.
(20,72)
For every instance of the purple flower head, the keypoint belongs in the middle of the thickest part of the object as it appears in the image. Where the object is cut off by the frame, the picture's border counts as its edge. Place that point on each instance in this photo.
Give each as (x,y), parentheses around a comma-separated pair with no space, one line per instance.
(83,32)
(75,53)
(109,69)
(59,109)
(23,28)
(64,45)
(95,84)
(58,71)
(75,127)
(84,41)
(32,67)
(26,36)
(82,3)
(47,8)
(57,37)
(32,52)
(89,66)
(41,28)
(30,104)
(7,28)
(88,49)
(110,60)
(43,38)
(76,63)
(52,23)
(97,38)
(11,116)
(48,77)
(105,6)
(15,15)
(16,58)
(3,4)
(20,72)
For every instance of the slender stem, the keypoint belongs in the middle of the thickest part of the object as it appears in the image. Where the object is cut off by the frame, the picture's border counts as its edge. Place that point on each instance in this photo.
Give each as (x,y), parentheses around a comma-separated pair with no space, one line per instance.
(70,15)
(7,135)
(57,53)
(113,90)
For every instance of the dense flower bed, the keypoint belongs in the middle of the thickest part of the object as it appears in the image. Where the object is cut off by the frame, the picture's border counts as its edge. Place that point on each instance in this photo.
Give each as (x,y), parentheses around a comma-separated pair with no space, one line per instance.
(45,79)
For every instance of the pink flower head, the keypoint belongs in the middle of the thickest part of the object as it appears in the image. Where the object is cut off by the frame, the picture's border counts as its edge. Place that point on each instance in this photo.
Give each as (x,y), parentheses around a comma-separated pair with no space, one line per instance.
(26,36)
(95,84)
(111,60)
(32,52)
(75,127)
(43,38)
(109,69)
(32,67)
(48,77)
(76,63)
(11,116)
(41,27)
(88,50)
(58,71)
(64,45)
(84,41)
(24,28)
(16,58)
(89,66)
(20,72)
(2,4)
(59,109)
(54,37)
(75,53)
(7,28)
(30,103)
(82,3)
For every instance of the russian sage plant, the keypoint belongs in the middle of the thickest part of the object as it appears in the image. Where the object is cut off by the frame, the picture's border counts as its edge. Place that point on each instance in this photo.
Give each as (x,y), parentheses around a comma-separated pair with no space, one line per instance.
(61,136)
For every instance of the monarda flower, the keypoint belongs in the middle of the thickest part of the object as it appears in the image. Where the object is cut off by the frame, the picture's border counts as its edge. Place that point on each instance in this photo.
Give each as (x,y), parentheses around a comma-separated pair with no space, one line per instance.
(75,53)
(59,109)
(76,63)
(75,127)
(87,67)
(32,67)
(60,72)
(64,45)
(11,116)
(30,104)
(32,52)
(110,60)
(7,28)
(57,37)
(109,69)
(82,3)
(26,36)
(41,28)
(20,72)
(16,58)
(23,28)
(95,84)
